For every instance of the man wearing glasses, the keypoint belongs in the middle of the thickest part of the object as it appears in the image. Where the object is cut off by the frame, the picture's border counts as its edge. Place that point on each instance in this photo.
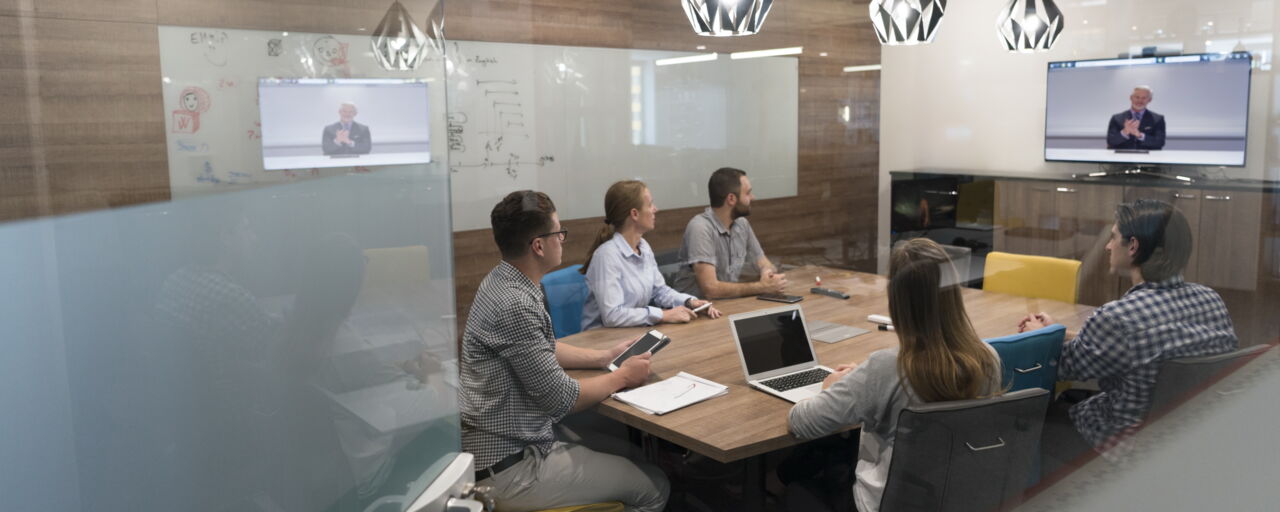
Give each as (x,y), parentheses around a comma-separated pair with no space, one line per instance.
(514,388)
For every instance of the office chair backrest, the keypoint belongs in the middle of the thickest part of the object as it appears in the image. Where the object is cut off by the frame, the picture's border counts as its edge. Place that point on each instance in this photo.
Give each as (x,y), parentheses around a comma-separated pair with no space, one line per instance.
(1178,379)
(1031,276)
(1030,359)
(668,264)
(964,455)
(566,295)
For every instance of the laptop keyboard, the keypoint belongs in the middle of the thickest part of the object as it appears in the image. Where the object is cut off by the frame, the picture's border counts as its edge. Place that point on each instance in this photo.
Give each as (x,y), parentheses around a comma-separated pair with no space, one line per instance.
(797,380)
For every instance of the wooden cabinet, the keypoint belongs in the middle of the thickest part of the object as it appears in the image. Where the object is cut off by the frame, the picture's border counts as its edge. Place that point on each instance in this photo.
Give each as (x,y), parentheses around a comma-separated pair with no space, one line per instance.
(1064,220)
(1229,239)
(1029,220)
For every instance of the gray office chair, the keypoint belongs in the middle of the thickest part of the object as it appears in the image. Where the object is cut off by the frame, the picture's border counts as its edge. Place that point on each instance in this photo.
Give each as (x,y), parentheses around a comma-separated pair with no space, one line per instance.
(1179,379)
(965,455)
(668,264)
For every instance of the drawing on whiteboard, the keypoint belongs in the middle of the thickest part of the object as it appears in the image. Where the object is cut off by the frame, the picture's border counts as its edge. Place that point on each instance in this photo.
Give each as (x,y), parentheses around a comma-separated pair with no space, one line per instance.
(214,43)
(332,55)
(192,146)
(192,102)
(511,162)
(233,178)
(456,129)
(275,47)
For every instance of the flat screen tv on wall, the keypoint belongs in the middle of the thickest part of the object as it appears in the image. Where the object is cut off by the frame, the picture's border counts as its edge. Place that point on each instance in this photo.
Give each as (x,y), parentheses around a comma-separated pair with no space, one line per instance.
(1175,110)
(343,122)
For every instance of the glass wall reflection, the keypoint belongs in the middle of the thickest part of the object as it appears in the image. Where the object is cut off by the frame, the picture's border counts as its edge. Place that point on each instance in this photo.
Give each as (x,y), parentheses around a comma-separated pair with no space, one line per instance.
(283,348)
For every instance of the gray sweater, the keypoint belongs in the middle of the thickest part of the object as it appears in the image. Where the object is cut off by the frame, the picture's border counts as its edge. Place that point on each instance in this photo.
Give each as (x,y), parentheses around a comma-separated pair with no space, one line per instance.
(873,395)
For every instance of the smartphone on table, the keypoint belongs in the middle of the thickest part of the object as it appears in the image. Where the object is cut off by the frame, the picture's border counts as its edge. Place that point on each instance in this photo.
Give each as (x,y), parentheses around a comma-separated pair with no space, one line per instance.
(651,342)
(778,297)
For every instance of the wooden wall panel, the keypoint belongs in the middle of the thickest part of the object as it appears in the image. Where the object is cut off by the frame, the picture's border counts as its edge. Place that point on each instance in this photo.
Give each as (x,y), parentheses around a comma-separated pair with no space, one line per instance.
(142,11)
(100,110)
(833,217)
(83,125)
(322,16)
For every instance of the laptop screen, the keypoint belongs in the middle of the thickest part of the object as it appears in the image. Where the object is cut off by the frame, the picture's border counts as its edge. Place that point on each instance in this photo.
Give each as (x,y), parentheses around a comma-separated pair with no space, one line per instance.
(773,341)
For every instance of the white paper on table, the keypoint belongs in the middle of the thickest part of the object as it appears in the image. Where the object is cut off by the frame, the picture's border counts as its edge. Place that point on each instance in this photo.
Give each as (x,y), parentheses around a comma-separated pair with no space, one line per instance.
(670,394)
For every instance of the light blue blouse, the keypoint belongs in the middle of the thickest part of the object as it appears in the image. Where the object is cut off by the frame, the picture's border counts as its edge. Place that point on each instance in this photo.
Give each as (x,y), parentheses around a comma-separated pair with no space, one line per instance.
(625,288)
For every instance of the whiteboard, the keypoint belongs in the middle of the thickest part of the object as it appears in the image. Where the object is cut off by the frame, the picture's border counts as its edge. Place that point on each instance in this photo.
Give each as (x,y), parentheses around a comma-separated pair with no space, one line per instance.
(216,141)
(565,120)
(570,121)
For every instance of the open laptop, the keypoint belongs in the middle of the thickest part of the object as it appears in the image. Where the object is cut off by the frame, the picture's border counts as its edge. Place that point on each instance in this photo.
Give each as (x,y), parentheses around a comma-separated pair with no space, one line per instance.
(773,345)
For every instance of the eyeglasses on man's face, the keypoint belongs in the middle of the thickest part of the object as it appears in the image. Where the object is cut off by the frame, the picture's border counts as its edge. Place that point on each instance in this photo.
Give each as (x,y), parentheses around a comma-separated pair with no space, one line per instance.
(562,234)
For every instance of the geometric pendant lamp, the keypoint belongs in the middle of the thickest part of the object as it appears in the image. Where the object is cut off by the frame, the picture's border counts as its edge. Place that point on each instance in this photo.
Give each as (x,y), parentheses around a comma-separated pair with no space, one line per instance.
(906,22)
(726,17)
(398,44)
(1029,25)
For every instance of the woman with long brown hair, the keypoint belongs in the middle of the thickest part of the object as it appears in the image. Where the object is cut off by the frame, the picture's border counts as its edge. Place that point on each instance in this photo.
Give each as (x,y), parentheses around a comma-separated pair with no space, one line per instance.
(625,287)
(939,358)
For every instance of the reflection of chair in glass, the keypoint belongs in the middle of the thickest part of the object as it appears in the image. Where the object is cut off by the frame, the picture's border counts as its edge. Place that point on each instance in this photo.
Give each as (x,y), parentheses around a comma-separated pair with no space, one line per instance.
(1179,379)
(1030,359)
(566,295)
(964,455)
(1031,276)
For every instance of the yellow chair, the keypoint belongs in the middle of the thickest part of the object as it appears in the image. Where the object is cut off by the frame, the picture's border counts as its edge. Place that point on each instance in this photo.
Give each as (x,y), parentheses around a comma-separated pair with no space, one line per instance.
(1031,276)
(612,506)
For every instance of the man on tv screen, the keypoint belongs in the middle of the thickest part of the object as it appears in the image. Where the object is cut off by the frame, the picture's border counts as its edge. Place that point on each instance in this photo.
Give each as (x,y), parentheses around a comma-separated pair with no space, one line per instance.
(1136,128)
(346,137)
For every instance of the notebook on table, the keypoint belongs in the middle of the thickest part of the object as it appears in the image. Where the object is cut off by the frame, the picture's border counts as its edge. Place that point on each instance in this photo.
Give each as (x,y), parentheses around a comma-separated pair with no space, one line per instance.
(776,354)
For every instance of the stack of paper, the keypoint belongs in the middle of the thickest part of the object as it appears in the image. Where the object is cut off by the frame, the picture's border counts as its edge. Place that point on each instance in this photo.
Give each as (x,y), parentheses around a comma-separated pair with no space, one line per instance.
(671,394)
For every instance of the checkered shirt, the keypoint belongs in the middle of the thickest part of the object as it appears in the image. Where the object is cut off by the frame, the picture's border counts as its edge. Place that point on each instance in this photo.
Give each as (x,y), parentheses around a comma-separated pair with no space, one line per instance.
(1123,342)
(513,390)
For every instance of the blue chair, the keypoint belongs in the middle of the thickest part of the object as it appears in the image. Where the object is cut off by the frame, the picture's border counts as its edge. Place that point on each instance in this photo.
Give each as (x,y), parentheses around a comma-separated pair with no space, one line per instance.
(566,295)
(1030,359)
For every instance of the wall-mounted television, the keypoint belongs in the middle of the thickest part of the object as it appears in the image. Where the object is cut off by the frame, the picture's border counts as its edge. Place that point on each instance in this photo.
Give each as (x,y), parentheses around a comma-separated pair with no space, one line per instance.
(343,122)
(1174,110)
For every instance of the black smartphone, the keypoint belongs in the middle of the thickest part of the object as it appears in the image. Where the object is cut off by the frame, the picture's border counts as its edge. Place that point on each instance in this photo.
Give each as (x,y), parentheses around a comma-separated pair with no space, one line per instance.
(778,297)
(651,342)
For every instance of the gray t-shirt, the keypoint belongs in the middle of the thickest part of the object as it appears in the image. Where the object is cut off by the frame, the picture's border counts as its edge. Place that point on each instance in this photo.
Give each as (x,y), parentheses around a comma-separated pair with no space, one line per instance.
(708,241)
(873,395)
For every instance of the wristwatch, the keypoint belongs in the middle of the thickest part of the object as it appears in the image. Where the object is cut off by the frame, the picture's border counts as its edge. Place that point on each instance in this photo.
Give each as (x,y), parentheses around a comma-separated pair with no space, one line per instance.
(688,303)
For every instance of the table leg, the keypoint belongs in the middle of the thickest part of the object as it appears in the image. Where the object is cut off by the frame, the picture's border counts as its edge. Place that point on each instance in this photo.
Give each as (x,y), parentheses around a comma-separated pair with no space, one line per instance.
(753,480)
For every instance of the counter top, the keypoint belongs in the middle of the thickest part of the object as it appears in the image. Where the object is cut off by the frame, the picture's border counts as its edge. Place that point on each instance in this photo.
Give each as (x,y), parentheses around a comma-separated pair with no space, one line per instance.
(1121,180)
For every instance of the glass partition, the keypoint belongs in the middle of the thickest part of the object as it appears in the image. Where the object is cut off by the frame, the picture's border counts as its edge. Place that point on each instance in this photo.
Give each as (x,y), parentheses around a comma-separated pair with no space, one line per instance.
(283,348)
(207,333)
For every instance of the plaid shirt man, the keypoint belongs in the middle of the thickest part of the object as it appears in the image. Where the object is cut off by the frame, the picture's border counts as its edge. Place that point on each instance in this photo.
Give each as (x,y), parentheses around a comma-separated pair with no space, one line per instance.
(512,389)
(1124,340)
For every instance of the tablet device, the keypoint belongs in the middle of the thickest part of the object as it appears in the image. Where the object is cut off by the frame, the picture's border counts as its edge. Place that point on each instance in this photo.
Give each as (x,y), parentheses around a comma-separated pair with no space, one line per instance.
(778,297)
(651,342)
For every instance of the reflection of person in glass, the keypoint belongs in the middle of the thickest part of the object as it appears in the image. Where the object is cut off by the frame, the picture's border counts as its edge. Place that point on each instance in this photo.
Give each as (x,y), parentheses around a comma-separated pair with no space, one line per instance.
(1137,127)
(346,137)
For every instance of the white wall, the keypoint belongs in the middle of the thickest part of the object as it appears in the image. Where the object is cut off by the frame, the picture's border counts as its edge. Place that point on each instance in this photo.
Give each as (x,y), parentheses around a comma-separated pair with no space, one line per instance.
(965,103)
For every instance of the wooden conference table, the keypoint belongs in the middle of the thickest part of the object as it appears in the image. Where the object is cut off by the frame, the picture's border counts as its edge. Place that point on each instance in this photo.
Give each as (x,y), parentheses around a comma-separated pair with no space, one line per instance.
(746,422)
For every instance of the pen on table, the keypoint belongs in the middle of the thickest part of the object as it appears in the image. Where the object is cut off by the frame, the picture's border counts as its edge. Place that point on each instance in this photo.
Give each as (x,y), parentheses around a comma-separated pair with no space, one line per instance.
(884,327)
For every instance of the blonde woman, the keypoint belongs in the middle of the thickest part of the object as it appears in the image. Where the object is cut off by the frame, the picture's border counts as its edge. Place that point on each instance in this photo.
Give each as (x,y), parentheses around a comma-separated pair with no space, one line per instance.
(625,287)
(939,358)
